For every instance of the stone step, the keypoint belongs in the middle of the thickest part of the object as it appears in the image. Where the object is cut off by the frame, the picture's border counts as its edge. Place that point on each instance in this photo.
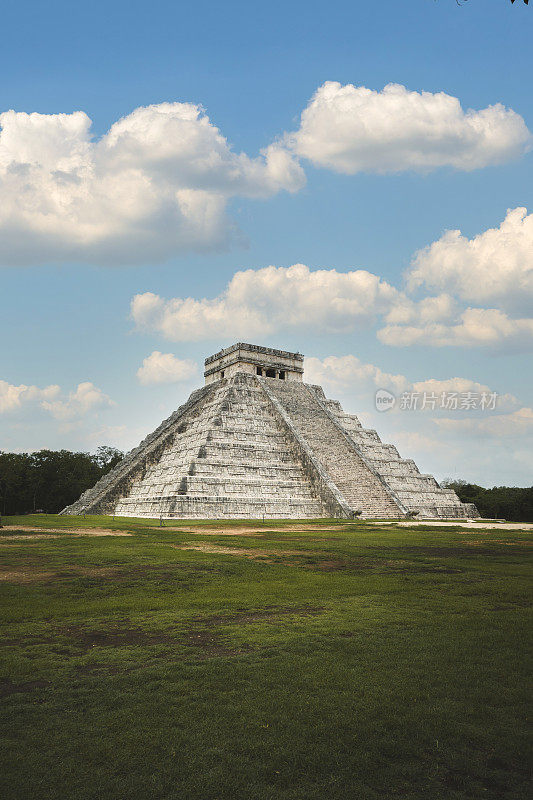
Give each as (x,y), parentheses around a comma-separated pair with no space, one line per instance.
(224,486)
(229,453)
(361,489)
(273,470)
(208,507)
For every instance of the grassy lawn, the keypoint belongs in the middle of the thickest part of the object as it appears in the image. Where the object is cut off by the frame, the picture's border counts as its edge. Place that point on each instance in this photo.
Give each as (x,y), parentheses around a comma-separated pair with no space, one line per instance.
(284,661)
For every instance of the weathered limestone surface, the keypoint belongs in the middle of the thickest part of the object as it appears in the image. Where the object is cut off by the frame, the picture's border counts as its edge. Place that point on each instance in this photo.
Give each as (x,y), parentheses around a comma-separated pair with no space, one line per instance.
(247,446)
(359,485)
(254,360)
(417,493)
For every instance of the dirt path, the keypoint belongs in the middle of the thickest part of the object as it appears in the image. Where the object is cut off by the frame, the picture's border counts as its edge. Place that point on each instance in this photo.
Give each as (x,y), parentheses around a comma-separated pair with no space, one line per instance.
(73,531)
(251,531)
(241,551)
(471,526)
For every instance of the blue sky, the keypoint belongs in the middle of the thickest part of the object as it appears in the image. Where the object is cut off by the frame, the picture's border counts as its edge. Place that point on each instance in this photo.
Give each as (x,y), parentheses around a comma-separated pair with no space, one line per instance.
(66,317)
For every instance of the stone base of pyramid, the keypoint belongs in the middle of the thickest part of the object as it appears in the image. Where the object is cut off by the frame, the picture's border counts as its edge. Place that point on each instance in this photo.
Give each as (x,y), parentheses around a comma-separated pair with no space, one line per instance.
(249,446)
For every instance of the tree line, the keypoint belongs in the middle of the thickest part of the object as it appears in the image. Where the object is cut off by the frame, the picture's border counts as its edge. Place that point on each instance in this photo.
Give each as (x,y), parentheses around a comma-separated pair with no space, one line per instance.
(49,480)
(501,502)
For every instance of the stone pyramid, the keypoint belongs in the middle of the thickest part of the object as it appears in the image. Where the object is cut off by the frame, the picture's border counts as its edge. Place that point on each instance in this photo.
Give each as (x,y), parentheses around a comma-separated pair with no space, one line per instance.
(257,442)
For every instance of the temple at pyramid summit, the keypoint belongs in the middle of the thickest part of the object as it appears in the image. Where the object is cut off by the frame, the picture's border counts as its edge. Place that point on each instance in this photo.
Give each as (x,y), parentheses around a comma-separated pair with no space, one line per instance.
(257,441)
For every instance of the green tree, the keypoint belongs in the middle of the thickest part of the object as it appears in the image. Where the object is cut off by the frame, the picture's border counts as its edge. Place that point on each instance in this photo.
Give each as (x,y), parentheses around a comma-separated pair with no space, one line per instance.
(49,480)
(501,502)
(108,457)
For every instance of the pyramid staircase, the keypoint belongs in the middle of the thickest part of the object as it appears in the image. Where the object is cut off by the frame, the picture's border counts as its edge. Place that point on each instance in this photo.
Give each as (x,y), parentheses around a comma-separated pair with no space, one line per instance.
(246,447)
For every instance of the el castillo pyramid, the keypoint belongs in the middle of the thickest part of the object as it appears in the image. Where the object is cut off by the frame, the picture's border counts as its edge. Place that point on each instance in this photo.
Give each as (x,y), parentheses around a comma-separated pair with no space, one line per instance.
(256,441)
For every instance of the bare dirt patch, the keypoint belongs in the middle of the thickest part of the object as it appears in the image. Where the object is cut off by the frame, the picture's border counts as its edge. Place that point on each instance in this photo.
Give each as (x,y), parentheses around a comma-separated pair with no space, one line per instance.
(201,634)
(242,551)
(36,534)
(379,565)
(39,575)
(7,687)
(325,563)
(159,572)
(73,571)
(25,576)
(28,537)
(251,531)
(113,636)
(464,550)
(98,669)
(210,644)
(491,541)
(206,643)
(472,526)
(245,616)
(334,564)
(354,564)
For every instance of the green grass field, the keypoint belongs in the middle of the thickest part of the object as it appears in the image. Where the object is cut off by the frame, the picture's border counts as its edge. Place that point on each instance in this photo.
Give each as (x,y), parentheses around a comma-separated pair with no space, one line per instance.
(295,661)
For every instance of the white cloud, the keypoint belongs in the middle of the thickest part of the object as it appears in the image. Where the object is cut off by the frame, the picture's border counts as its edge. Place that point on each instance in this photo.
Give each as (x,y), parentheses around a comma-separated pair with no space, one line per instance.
(259,302)
(411,442)
(353,129)
(495,266)
(125,437)
(14,397)
(108,434)
(87,397)
(433,385)
(430,309)
(156,184)
(461,386)
(517,424)
(475,327)
(165,368)
(441,444)
(348,372)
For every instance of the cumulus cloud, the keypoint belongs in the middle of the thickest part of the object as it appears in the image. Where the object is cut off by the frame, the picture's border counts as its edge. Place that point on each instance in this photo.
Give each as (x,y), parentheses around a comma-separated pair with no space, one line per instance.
(517,424)
(430,309)
(439,442)
(411,442)
(125,437)
(14,397)
(353,129)
(259,302)
(156,184)
(165,368)
(495,266)
(342,372)
(436,386)
(85,398)
(475,327)
(348,373)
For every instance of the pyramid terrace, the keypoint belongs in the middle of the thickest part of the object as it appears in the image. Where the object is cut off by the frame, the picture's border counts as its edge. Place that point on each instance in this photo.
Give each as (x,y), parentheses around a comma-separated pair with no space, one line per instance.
(258,442)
